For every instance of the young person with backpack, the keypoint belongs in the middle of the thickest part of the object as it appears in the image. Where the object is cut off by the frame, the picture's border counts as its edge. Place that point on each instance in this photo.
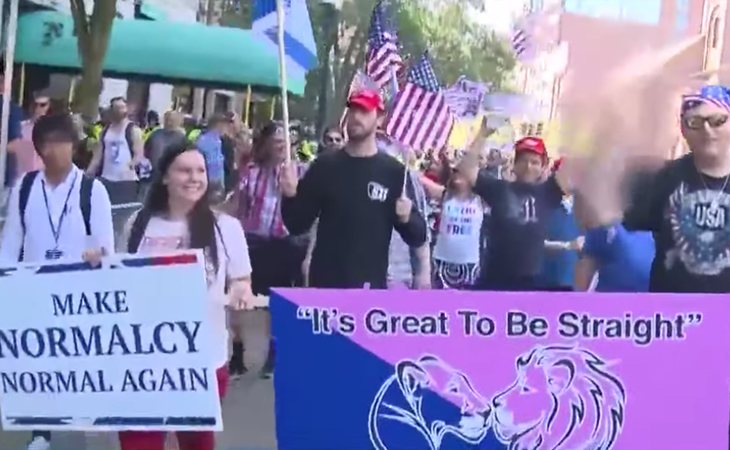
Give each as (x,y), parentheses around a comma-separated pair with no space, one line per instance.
(177,215)
(57,213)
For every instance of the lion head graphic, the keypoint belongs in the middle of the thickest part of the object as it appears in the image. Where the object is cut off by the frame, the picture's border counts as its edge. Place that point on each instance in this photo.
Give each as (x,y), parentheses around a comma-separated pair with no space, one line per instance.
(416,396)
(563,398)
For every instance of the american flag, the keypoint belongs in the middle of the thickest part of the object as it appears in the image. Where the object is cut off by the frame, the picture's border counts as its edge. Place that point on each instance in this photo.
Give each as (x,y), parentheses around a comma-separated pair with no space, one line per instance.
(382,60)
(536,33)
(520,41)
(421,119)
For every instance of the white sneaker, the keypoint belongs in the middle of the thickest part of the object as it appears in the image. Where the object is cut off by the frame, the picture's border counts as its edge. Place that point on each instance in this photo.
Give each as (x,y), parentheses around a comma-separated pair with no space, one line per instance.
(39,443)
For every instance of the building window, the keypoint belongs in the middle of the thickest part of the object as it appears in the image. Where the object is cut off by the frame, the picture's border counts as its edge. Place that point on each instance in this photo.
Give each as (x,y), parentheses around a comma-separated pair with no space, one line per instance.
(681,20)
(641,11)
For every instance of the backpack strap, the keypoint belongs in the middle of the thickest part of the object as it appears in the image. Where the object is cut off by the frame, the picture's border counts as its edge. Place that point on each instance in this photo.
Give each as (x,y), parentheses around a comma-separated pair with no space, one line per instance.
(102,143)
(25,186)
(223,241)
(87,185)
(218,231)
(23,195)
(136,233)
(129,136)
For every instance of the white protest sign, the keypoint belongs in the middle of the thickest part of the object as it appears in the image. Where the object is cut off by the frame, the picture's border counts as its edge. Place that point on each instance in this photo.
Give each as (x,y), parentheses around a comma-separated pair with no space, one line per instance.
(123,347)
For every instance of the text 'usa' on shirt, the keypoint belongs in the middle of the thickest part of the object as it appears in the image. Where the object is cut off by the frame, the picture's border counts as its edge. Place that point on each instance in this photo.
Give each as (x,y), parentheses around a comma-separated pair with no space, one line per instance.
(689,215)
(354,199)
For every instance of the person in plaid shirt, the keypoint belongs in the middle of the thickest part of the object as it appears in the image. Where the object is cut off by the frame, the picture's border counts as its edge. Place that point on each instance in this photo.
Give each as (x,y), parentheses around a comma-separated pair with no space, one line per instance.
(276,256)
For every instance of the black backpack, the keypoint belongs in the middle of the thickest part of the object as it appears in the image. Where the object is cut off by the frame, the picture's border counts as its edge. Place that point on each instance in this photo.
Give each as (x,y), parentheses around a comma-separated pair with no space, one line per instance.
(84,200)
(127,136)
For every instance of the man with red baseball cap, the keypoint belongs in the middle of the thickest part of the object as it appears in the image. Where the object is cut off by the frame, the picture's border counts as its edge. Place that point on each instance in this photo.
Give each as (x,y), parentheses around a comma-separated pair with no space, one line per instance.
(366,99)
(531,159)
(519,209)
(357,196)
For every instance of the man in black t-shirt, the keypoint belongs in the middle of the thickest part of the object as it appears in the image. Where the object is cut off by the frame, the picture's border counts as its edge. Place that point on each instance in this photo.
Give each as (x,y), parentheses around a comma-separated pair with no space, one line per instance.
(357,195)
(519,211)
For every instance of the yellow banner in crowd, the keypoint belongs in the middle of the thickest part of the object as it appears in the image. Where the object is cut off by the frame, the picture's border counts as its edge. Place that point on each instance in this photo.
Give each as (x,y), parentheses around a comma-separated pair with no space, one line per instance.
(561,139)
(465,129)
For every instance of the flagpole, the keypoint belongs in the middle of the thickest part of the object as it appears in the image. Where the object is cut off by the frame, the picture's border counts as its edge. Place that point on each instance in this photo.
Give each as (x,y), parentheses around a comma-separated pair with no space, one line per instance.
(247,107)
(282,76)
(21,90)
(406,151)
(12,26)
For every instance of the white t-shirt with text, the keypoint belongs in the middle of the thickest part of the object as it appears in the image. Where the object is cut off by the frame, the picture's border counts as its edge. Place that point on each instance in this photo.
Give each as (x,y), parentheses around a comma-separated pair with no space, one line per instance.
(162,235)
(459,231)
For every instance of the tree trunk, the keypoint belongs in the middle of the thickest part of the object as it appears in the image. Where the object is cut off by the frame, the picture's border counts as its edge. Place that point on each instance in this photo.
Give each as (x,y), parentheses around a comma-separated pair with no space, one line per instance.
(92,34)
(353,59)
(88,90)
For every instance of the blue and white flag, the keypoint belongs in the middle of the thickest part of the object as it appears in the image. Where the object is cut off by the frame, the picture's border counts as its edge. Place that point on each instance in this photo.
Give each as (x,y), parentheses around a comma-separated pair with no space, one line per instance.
(299,44)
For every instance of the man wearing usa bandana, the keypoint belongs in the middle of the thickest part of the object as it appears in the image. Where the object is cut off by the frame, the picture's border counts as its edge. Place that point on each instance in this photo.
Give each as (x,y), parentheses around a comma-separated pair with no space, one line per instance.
(686,204)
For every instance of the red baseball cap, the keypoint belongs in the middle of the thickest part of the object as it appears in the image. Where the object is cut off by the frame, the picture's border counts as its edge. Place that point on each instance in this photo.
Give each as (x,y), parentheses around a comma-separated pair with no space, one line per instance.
(532,145)
(366,99)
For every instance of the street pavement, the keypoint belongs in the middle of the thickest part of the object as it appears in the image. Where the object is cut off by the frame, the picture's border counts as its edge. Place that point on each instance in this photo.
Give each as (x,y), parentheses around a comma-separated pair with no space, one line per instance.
(248,409)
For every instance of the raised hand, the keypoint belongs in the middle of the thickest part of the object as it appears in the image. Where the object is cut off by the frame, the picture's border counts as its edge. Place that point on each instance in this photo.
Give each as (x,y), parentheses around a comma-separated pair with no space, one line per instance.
(288,180)
(629,124)
(403,207)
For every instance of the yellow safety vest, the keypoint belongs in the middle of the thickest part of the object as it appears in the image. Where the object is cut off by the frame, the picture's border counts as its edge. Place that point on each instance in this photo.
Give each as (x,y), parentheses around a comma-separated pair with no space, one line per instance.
(148,132)
(306,152)
(96,131)
(194,134)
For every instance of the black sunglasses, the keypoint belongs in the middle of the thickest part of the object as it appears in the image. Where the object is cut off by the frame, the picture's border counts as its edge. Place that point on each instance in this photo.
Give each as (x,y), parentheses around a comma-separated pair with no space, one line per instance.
(698,122)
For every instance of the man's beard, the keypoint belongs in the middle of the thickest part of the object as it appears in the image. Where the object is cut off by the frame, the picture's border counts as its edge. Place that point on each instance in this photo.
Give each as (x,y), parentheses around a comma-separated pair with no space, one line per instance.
(359,133)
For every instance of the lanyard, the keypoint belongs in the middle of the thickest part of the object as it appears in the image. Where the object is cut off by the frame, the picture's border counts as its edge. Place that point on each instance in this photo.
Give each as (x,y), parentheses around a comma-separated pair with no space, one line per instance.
(57,231)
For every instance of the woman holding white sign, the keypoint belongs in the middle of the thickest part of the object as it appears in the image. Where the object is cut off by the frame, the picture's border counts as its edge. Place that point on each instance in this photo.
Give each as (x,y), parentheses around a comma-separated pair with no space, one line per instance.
(177,215)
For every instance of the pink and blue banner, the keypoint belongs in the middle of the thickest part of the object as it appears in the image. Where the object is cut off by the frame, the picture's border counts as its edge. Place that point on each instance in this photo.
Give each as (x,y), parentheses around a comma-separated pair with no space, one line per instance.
(444,370)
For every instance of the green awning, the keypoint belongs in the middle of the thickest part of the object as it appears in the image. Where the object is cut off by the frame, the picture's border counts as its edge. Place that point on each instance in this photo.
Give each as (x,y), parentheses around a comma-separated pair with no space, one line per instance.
(158,51)
(152,12)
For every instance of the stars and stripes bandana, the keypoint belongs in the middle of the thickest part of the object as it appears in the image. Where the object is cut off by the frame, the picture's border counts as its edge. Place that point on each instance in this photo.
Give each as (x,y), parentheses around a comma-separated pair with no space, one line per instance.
(715,94)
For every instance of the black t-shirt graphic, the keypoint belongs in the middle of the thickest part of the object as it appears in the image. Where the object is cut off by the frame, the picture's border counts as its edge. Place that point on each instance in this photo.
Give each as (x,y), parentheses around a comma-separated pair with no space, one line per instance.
(689,214)
(517,229)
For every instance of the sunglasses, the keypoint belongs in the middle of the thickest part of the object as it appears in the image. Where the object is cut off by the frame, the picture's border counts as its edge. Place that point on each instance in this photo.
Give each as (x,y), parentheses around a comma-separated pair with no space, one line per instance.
(332,139)
(698,122)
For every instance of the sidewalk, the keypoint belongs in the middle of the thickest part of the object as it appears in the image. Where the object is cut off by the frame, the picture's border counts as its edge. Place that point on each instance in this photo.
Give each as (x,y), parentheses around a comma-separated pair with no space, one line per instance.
(248,409)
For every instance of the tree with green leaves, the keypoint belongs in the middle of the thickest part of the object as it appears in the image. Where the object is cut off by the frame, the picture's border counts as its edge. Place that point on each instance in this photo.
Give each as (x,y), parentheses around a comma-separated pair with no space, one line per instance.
(457,45)
(92,33)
